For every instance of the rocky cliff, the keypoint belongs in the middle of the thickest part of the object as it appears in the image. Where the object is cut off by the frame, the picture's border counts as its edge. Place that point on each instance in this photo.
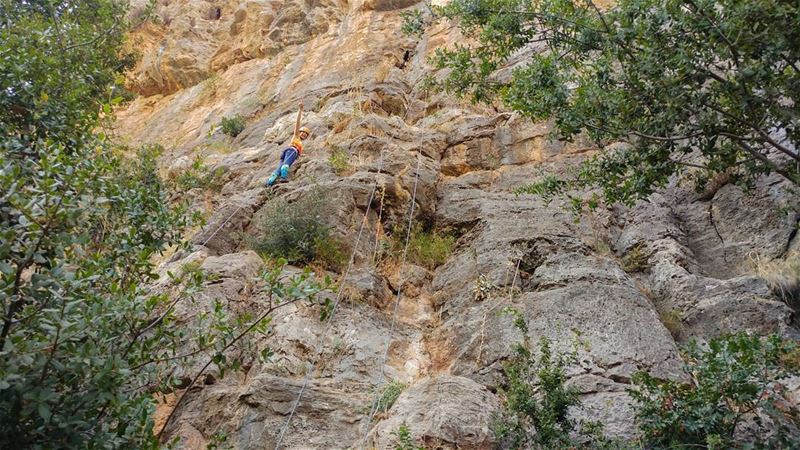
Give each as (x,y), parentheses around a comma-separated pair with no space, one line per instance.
(618,278)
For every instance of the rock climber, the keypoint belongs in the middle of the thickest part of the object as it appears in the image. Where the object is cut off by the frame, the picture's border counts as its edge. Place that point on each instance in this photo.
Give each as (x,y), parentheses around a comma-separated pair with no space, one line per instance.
(291,153)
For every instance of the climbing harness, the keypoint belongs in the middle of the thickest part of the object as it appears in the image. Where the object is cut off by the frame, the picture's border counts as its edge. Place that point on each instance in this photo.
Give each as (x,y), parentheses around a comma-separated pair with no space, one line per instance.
(324,334)
(374,407)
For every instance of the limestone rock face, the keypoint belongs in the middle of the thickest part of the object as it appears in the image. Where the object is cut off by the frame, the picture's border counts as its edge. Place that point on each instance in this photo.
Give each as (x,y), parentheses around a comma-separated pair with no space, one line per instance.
(621,285)
(442,412)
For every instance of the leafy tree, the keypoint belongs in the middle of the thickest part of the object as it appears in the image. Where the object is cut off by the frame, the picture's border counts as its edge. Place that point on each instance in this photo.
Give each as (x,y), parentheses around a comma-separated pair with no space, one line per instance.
(83,342)
(735,380)
(699,86)
(79,224)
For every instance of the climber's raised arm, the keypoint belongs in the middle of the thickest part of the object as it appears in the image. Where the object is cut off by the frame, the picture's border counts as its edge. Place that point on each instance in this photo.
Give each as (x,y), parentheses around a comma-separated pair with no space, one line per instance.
(297,123)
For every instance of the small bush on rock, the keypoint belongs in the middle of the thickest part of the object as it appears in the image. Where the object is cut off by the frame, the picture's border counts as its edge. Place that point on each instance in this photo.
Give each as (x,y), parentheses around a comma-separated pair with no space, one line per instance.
(636,260)
(233,126)
(403,440)
(429,248)
(426,248)
(339,160)
(298,232)
(199,175)
(537,400)
(388,396)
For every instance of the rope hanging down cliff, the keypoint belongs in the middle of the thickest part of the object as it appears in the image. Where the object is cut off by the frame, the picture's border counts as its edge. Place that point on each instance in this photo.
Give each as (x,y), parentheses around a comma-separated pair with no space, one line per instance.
(333,309)
(225,222)
(374,407)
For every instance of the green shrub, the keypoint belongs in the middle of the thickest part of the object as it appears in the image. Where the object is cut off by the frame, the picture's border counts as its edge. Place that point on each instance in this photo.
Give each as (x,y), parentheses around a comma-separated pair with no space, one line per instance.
(298,232)
(198,175)
(733,379)
(339,160)
(330,253)
(428,249)
(403,439)
(232,126)
(537,400)
(636,260)
(388,396)
(218,441)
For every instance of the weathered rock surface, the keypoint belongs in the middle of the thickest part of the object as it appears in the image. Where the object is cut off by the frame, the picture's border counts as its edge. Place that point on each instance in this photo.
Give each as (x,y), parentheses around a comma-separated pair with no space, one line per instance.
(441,412)
(574,282)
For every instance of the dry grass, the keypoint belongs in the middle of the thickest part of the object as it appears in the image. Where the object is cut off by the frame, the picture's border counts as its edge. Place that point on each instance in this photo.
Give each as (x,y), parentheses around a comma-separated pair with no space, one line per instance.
(792,359)
(382,72)
(782,276)
(351,294)
(374,130)
(339,126)
(601,247)
(636,260)
(218,147)
(209,86)
(673,321)
(715,183)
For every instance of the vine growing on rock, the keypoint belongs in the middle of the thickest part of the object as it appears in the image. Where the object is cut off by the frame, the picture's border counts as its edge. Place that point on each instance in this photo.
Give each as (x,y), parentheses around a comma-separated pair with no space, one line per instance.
(704,87)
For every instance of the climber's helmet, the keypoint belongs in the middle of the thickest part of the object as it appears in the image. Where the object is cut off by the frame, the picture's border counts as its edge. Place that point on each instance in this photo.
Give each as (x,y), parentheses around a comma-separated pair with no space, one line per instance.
(304,132)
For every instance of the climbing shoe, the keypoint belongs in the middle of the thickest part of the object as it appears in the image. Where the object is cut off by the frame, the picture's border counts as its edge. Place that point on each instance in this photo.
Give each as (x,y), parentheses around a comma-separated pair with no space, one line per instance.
(271,179)
(284,171)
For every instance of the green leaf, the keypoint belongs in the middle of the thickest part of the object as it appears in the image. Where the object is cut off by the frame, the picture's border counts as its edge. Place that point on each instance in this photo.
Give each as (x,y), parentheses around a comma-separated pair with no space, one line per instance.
(44,411)
(6,268)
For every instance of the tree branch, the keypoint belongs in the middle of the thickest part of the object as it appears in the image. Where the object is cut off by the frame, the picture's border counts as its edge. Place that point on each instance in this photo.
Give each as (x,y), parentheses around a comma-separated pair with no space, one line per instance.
(95,40)
(774,167)
(211,360)
(766,137)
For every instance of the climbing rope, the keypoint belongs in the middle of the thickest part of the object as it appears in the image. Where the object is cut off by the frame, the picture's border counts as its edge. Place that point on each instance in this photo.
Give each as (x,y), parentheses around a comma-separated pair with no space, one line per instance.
(374,407)
(225,222)
(486,314)
(378,228)
(333,310)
